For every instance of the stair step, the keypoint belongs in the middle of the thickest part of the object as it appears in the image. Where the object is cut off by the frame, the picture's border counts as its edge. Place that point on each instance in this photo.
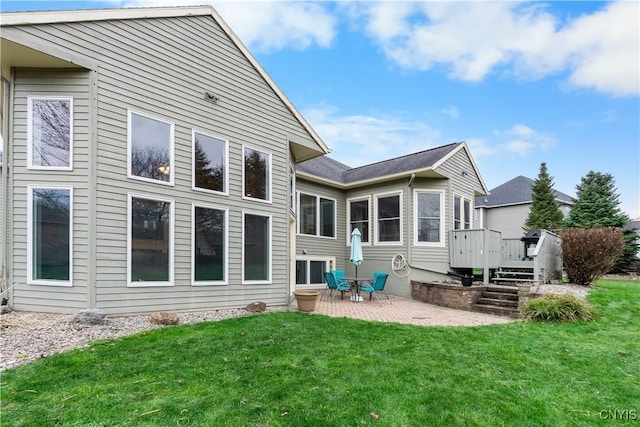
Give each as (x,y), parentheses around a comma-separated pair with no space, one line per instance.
(511,279)
(492,309)
(502,289)
(512,273)
(501,295)
(497,302)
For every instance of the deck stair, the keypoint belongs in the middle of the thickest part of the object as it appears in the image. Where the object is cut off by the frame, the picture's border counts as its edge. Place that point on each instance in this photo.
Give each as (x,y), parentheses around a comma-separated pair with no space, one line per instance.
(498,299)
(513,276)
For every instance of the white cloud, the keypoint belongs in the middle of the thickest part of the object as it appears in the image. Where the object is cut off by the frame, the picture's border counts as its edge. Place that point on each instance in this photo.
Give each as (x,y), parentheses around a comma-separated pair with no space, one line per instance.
(359,139)
(521,140)
(452,112)
(470,40)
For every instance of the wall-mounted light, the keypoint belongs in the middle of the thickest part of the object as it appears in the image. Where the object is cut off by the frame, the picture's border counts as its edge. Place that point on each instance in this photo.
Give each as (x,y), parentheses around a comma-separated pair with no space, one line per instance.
(211,96)
(464,173)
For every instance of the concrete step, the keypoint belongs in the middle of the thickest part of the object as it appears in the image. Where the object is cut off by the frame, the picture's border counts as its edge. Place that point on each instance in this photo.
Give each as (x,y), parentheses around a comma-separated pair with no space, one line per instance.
(498,311)
(497,302)
(502,289)
(501,295)
(511,279)
(514,273)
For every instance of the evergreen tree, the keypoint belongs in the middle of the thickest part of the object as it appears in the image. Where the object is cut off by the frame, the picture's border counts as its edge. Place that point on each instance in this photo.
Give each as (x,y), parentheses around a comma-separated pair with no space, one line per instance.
(545,211)
(596,206)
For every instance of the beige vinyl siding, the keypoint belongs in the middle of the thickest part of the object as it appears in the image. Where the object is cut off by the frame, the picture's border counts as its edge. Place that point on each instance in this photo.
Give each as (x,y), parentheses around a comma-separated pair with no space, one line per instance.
(509,220)
(52,83)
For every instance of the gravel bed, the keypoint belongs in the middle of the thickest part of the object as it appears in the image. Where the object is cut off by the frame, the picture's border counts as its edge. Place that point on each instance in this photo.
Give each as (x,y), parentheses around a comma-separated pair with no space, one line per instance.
(26,336)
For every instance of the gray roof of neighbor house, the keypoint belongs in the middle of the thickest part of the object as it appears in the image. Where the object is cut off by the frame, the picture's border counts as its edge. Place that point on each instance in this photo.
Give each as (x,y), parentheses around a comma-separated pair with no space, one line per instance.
(633,223)
(332,170)
(514,192)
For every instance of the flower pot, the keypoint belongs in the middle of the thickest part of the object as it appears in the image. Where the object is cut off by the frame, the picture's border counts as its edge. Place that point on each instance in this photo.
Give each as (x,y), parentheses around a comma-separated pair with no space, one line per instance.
(467,281)
(306,299)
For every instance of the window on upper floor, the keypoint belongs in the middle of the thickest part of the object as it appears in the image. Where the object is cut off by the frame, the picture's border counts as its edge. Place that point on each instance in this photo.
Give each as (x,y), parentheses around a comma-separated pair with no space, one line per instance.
(388,218)
(428,217)
(461,213)
(209,250)
(50,133)
(150,241)
(358,214)
(256,175)
(317,216)
(210,163)
(150,148)
(50,235)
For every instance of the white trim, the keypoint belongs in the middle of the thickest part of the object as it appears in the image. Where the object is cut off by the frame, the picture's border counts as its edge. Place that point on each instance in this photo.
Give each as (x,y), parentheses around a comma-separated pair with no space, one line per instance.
(225,183)
(270,236)
(30,164)
(443,217)
(369,210)
(30,279)
(463,218)
(317,216)
(170,282)
(172,162)
(269,175)
(293,195)
(225,278)
(330,262)
(377,196)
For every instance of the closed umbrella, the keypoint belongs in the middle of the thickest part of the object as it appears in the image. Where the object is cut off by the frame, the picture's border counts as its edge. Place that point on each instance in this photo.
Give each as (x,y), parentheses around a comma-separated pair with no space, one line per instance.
(356,248)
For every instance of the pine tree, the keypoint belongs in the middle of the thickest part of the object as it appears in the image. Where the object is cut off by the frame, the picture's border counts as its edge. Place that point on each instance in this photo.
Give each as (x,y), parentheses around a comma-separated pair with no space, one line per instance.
(545,211)
(596,206)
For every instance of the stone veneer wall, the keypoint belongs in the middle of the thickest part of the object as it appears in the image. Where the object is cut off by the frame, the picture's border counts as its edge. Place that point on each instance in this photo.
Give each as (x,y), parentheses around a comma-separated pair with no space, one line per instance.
(451,295)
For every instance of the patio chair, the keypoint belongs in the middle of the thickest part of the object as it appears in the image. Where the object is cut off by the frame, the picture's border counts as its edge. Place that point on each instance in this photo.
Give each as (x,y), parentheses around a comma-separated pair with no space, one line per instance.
(376,285)
(382,289)
(335,284)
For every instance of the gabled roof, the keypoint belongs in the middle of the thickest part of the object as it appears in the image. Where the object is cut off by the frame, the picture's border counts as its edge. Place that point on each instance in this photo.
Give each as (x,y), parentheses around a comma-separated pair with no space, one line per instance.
(515,192)
(86,15)
(423,163)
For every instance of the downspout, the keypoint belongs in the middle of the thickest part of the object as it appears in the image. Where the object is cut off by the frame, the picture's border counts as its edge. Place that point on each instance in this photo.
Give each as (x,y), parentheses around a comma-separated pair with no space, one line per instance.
(4,264)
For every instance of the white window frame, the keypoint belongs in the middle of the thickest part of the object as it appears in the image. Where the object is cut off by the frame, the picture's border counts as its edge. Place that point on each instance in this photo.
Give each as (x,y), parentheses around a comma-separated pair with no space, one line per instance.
(330,263)
(225,183)
(317,215)
(293,195)
(463,219)
(30,279)
(172,147)
(376,197)
(30,132)
(171,254)
(225,279)
(369,209)
(270,222)
(443,217)
(269,177)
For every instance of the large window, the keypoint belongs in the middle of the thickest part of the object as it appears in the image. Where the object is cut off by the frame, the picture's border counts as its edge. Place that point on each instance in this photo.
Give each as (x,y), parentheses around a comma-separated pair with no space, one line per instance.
(150,241)
(50,237)
(150,149)
(210,164)
(50,133)
(310,271)
(461,213)
(256,172)
(209,256)
(256,248)
(358,214)
(389,220)
(428,217)
(317,216)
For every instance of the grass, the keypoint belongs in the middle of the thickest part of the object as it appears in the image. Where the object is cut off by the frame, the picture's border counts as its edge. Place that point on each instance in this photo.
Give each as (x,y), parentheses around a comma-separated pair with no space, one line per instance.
(296,369)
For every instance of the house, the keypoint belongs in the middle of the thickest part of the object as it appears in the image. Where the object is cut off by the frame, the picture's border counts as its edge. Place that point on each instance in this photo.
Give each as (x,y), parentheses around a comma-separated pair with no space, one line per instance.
(148,164)
(507,207)
(405,207)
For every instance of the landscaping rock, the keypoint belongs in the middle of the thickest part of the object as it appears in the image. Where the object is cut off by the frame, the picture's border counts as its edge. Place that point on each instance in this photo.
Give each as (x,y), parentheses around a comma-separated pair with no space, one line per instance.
(89,316)
(164,318)
(257,307)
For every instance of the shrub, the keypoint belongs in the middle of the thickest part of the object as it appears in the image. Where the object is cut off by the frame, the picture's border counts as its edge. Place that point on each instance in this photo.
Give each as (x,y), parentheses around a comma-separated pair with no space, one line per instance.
(557,308)
(588,253)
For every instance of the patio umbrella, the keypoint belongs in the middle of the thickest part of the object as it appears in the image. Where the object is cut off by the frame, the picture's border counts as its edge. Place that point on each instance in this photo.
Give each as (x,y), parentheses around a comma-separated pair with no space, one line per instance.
(356,248)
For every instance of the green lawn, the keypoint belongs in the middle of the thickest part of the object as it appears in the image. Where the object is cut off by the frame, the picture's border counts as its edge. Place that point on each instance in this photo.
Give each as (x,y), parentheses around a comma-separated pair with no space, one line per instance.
(297,369)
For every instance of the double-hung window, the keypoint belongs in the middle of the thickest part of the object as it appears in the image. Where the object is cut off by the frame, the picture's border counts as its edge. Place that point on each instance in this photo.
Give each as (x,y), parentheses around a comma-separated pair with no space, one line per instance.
(50,235)
(210,163)
(358,214)
(50,133)
(388,219)
(256,248)
(150,148)
(461,213)
(150,241)
(428,217)
(317,216)
(209,245)
(256,175)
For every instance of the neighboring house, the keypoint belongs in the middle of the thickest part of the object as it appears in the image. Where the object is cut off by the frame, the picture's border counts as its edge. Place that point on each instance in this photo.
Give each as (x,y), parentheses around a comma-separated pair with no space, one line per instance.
(405,206)
(506,207)
(148,164)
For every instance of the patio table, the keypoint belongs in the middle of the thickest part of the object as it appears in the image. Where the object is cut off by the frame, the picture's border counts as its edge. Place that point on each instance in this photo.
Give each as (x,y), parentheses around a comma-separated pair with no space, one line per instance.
(357,281)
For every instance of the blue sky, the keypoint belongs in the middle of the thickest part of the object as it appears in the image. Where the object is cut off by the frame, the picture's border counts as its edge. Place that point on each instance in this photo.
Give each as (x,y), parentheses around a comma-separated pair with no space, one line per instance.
(521,82)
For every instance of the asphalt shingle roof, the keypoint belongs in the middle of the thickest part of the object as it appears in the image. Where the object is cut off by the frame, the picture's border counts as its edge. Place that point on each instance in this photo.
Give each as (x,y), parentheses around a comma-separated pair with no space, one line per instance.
(513,192)
(325,167)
